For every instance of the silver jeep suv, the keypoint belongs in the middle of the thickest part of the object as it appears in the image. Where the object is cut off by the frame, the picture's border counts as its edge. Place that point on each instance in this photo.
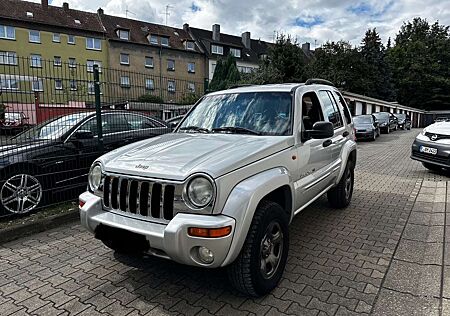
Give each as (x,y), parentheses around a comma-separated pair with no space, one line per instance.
(222,189)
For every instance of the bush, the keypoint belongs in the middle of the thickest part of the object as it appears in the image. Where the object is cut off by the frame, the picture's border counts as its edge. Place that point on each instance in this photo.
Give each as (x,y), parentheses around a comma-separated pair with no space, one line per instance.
(189,98)
(150,98)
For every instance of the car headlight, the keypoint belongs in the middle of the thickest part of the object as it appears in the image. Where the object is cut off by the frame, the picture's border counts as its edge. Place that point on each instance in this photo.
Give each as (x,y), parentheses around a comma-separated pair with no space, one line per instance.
(95,177)
(423,131)
(383,124)
(200,191)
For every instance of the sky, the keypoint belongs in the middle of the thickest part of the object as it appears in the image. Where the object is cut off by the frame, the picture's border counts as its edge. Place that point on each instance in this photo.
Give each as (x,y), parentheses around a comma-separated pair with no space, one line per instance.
(315,21)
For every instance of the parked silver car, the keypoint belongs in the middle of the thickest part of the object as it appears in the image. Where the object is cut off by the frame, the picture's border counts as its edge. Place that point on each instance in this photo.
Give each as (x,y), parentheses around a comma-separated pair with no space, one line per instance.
(222,189)
(432,146)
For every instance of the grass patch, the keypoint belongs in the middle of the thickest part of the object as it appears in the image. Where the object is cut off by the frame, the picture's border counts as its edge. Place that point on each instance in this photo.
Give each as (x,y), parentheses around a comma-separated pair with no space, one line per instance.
(45,212)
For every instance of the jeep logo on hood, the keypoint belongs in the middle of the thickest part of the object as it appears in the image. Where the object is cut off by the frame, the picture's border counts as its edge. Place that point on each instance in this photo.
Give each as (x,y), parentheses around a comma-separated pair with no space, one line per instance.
(139,166)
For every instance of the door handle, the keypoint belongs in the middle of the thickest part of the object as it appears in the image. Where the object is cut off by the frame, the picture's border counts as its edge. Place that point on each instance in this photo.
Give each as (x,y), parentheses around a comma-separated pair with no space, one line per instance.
(327,143)
(345,134)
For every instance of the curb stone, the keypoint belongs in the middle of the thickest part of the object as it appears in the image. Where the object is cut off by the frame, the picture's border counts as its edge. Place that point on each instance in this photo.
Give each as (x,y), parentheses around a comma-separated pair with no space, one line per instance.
(18,231)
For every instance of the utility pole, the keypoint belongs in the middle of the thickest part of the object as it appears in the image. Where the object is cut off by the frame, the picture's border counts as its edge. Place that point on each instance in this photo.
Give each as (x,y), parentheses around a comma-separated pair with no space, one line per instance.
(167,13)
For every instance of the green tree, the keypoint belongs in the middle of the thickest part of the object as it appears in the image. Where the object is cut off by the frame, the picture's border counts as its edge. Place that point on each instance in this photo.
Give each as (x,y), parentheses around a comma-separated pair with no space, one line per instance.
(225,75)
(420,61)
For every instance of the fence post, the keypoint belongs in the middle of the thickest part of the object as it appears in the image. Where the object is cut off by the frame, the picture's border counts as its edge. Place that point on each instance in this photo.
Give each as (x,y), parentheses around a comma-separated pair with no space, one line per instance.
(98,107)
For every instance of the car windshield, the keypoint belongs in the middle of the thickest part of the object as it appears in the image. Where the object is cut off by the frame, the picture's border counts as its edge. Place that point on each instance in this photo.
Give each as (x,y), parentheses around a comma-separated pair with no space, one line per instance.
(381,116)
(52,129)
(259,113)
(12,116)
(400,116)
(362,120)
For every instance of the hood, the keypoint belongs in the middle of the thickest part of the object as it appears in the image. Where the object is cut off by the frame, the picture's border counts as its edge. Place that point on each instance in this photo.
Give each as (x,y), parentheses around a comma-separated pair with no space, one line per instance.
(442,128)
(176,156)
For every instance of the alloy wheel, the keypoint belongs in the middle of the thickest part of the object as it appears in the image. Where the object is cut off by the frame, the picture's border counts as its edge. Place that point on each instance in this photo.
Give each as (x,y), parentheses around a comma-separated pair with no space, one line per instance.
(21,193)
(272,246)
(348,185)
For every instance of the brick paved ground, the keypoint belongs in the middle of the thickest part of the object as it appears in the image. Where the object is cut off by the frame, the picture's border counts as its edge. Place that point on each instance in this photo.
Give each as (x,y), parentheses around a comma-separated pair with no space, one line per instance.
(385,255)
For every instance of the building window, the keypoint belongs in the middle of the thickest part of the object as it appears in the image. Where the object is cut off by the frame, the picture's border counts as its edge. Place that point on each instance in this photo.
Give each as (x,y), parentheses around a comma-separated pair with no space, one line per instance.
(93,43)
(235,52)
(71,39)
(245,70)
(91,88)
(171,85)
(149,84)
(191,87)
(58,84)
(170,64)
(153,39)
(125,81)
(8,84)
(263,56)
(8,58)
(164,41)
(7,32)
(123,34)
(72,62)
(36,61)
(57,61)
(34,36)
(216,49)
(56,38)
(190,45)
(37,85)
(148,62)
(124,59)
(73,85)
(90,65)
(191,67)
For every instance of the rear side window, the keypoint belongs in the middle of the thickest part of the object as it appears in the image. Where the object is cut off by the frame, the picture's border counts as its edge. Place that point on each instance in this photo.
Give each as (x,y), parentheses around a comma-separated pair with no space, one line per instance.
(330,109)
(338,97)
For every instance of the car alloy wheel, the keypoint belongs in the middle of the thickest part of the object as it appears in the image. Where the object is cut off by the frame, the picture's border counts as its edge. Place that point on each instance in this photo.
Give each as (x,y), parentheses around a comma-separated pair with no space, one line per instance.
(348,188)
(271,250)
(21,193)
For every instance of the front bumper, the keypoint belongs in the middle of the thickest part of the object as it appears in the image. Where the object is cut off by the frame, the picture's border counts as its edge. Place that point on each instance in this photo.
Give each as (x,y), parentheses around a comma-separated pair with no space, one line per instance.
(364,135)
(442,158)
(170,240)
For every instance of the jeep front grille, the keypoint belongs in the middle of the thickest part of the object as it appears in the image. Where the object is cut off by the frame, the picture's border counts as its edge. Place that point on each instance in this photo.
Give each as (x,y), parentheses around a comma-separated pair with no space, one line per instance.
(141,197)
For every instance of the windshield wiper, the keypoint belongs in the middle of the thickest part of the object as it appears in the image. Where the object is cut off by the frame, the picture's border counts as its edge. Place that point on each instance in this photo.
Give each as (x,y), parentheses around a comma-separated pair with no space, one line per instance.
(195,128)
(235,129)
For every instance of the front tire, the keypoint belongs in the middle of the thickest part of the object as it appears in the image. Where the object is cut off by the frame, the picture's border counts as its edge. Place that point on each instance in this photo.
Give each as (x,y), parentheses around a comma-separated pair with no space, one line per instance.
(20,193)
(341,195)
(260,265)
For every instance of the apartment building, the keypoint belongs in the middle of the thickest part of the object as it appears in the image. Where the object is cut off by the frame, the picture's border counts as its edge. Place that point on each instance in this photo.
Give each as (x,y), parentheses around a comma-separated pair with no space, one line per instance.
(47,52)
(152,59)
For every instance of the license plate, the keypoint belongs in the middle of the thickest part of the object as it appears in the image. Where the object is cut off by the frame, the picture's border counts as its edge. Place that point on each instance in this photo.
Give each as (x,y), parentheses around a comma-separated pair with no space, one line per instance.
(428,150)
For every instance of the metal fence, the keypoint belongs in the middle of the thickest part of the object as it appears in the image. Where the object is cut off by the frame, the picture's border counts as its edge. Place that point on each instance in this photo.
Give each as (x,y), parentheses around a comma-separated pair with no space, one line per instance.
(57,117)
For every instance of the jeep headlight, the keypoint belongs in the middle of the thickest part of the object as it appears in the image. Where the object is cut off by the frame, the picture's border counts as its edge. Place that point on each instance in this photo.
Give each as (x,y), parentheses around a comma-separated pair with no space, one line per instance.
(95,177)
(199,191)
(423,131)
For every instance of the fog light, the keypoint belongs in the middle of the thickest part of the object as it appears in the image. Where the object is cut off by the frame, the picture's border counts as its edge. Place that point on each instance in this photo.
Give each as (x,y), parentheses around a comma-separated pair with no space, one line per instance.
(205,255)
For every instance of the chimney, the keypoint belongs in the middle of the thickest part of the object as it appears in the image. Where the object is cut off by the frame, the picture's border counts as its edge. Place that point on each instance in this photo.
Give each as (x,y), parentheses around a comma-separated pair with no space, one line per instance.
(306,47)
(216,32)
(65,6)
(186,27)
(44,4)
(100,11)
(246,40)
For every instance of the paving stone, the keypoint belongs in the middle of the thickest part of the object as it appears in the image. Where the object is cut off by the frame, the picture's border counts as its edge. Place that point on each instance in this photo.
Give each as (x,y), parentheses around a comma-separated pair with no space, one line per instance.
(414,278)
(424,233)
(419,252)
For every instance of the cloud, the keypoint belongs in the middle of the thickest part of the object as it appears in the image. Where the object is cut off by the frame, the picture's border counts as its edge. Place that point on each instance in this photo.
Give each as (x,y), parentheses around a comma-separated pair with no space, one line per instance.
(315,21)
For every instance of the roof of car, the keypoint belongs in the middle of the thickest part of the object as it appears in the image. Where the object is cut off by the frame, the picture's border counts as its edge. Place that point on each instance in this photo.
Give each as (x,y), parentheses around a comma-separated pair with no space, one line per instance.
(282,87)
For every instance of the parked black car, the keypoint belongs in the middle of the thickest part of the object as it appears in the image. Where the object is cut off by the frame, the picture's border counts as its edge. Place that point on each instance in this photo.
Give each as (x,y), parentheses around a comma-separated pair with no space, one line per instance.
(366,127)
(39,164)
(387,121)
(173,121)
(404,121)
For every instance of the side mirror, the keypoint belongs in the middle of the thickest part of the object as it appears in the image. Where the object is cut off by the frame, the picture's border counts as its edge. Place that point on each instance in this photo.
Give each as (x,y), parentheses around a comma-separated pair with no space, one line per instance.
(172,125)
(83,134)
(321,130)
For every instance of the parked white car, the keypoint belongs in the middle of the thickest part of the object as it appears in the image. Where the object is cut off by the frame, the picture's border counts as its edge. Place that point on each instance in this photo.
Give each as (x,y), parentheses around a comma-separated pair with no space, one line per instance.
(432,146)
(222,189)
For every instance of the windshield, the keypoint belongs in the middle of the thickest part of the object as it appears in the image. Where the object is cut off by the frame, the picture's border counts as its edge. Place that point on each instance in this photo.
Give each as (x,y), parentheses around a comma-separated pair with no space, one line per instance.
(261,113)
(362,120)
(400,116)
(12,116)
(52,129)
(381,116)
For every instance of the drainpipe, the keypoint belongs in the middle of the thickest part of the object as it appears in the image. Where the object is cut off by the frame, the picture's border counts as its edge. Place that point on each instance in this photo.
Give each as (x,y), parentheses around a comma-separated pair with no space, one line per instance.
(160,73)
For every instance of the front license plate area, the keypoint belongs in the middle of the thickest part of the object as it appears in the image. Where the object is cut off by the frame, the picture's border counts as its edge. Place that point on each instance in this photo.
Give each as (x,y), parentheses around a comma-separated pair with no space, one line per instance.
(428,150)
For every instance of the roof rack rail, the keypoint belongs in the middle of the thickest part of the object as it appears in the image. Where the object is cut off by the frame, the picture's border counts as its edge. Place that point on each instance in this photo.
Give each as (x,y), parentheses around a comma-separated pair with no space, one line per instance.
(319,81)
(241,85)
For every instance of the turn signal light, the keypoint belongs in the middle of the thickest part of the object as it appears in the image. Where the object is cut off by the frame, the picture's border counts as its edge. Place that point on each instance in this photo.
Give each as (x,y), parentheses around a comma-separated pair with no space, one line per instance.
(209,232)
